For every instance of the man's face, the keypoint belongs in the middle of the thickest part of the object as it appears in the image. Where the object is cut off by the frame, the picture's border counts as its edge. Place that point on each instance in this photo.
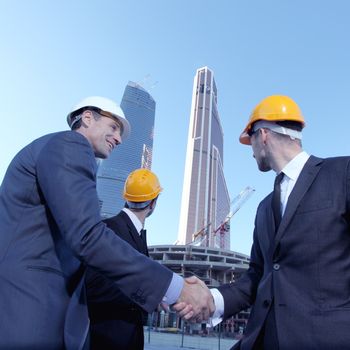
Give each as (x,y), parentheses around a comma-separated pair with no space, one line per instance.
(260,150)
(103,134)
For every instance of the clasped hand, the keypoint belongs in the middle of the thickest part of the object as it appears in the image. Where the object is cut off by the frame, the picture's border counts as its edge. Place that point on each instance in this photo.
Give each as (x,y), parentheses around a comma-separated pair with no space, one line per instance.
(195,303)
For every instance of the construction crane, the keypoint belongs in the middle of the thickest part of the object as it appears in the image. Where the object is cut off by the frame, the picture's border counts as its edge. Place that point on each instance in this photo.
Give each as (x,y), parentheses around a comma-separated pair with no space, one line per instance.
(237,202)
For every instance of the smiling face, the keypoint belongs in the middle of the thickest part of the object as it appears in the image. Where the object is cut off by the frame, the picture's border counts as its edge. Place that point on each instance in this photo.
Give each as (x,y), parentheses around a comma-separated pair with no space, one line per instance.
(103,133)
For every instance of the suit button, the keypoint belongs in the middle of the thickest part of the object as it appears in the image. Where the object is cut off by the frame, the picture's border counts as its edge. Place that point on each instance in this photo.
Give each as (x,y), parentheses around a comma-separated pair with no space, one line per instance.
(276,267)
(266,303)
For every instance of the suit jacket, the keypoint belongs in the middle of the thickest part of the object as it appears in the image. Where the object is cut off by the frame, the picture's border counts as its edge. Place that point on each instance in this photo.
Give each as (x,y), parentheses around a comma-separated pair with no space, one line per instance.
(303,270)
(50,228)
(116,321)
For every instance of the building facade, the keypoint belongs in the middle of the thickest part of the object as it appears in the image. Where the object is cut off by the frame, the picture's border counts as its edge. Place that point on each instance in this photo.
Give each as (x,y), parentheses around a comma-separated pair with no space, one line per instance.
(135,152)
(205,198)
(213,266)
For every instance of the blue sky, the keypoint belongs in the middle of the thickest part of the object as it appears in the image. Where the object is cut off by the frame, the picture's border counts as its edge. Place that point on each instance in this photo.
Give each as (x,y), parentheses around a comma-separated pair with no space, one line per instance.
(55,53)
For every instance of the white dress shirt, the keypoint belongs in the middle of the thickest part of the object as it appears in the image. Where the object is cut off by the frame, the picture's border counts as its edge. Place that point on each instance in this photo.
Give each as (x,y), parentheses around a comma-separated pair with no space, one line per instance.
(135,220)
(291,173)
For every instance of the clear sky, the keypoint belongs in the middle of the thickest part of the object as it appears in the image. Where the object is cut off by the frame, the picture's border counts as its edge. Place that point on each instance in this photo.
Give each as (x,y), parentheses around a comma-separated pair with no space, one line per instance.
(54,53)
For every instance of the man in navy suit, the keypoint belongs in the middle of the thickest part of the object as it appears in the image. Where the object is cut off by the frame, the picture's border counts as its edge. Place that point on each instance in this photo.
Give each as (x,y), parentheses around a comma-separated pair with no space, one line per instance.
(298,282)
(51,229)
(116,321)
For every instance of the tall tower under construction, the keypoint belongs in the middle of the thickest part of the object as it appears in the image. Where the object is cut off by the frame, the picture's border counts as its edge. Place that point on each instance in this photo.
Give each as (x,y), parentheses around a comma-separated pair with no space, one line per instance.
(205,198)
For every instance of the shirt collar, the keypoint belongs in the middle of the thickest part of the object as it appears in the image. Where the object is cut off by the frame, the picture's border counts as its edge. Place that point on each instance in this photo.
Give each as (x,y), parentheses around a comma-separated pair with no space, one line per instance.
(295,166)
(135,220)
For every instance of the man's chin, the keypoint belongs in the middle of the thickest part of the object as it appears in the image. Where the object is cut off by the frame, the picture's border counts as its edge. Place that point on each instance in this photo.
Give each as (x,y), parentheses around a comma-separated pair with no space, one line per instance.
(102,155)
(263,168)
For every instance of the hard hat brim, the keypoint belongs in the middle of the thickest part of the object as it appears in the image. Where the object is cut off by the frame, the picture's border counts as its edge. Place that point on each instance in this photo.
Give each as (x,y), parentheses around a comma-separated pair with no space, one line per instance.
(142,198)
(244,138)
(125,126)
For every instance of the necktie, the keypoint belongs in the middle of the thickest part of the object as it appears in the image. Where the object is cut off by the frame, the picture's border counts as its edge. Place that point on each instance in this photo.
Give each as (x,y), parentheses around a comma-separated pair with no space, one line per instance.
(143,233)
(143,237)
(276,199)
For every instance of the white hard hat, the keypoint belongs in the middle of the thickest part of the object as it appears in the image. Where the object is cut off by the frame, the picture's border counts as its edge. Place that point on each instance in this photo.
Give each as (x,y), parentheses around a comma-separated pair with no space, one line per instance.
(101,104)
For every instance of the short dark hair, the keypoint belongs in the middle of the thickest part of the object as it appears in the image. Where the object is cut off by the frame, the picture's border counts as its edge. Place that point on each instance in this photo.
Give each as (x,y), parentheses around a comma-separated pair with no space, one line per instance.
(138,206)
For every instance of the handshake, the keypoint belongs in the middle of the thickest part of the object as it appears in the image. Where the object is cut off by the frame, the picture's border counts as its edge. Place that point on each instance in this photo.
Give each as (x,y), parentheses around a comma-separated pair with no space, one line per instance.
(195,303)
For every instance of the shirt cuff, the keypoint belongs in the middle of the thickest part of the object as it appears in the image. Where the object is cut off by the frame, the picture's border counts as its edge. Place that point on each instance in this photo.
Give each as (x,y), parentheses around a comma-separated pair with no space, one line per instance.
(174,290)
(219,308)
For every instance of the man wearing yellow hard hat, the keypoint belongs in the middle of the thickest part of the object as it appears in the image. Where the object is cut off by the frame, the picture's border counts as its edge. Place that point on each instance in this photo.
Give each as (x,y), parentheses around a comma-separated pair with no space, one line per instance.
(116,321)
(298,281)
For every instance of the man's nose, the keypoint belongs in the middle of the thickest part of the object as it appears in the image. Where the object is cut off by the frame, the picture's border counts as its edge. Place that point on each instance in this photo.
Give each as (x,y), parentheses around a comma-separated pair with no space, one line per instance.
(117,138)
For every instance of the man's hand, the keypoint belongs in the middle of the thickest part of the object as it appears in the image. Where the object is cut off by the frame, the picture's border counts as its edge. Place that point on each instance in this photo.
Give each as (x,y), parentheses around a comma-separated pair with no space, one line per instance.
(196,302)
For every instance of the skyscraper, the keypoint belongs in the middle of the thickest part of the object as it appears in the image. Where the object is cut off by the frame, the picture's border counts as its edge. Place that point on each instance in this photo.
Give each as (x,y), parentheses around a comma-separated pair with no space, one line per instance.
(205,198)
(135,152)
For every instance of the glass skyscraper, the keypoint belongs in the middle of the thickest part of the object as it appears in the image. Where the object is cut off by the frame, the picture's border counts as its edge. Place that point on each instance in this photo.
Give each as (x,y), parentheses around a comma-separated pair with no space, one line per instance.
(205,198)
(135,152)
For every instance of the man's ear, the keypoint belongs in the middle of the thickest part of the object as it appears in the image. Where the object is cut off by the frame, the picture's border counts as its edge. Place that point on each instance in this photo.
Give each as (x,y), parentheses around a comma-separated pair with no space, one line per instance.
(264,134)
(153,203)
(87,118)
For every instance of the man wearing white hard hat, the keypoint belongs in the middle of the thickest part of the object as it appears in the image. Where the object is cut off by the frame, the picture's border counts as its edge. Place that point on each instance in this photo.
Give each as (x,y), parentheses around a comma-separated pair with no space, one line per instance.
(51,229)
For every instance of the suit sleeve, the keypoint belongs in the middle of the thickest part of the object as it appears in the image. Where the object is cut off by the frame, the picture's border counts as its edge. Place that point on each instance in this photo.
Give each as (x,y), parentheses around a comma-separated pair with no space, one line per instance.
(99,288)
(241,294)
(66,176)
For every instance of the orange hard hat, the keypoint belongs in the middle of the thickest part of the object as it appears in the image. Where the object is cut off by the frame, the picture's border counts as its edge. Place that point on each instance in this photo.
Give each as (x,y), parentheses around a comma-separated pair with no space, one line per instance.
(142,185)
(273,108)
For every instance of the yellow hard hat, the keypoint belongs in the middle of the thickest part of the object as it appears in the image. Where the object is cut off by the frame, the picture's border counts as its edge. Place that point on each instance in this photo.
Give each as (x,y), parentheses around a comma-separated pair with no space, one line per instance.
(273,108)
(141,185)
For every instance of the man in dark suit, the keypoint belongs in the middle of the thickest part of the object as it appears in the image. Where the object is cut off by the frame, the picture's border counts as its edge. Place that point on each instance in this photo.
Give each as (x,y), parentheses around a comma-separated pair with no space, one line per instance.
(50,229)
(298,282)
(116,321)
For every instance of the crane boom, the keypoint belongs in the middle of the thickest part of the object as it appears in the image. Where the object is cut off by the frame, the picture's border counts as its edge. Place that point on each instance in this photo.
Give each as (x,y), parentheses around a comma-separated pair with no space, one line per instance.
(235,205)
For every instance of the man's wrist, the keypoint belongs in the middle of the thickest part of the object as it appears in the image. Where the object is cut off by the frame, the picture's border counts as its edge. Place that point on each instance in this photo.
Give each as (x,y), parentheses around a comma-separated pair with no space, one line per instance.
(174,290)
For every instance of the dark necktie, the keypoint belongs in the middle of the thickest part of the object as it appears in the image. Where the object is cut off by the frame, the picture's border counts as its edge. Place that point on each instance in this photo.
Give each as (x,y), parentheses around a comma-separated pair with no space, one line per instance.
(276,200)
(143,233)
(143,236)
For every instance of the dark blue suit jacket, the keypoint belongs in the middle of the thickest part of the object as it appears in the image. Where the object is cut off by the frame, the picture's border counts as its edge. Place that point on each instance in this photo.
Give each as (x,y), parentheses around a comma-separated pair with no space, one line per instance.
(50,228)
(115,321)
(304,269)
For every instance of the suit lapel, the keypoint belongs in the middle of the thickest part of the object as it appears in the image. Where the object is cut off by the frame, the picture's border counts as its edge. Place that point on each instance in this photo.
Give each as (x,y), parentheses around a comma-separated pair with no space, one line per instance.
(306,178)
